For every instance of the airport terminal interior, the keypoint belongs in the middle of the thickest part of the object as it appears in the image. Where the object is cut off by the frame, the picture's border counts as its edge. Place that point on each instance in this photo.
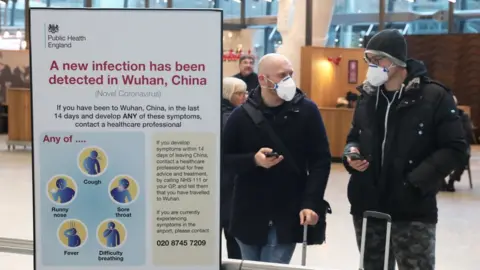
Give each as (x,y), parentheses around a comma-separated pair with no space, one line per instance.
(328,64)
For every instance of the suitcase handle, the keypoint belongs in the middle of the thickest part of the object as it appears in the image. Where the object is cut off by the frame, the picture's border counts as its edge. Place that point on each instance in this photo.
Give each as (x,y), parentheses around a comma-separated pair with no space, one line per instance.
(304,244)
(374,214)
(378,215)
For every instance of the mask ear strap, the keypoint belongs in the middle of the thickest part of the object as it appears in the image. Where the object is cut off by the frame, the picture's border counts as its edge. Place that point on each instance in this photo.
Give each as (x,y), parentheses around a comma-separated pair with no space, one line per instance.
(275,86)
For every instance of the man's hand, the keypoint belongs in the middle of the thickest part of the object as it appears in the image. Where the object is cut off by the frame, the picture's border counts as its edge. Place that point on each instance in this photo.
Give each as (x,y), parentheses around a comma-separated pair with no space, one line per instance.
(359,165)
(308,217)
(266,162)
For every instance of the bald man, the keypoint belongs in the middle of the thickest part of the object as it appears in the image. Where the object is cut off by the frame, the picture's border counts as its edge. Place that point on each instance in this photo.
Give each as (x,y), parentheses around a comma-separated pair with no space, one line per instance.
(281,174)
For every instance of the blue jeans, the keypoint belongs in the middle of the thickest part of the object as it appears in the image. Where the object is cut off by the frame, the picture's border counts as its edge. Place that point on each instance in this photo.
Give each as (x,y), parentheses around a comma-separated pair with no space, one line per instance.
(272,252)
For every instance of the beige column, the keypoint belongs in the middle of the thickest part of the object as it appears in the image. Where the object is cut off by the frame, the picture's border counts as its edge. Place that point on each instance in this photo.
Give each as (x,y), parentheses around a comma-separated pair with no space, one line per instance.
(291,25)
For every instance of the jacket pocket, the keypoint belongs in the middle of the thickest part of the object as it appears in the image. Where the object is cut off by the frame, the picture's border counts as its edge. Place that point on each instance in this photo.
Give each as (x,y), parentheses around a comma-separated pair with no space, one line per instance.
(408,201)
(403,194)
(404,197)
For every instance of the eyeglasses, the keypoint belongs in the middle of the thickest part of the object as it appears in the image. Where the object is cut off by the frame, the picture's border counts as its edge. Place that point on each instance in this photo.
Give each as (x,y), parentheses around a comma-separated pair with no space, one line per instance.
(240,93)
(374,60)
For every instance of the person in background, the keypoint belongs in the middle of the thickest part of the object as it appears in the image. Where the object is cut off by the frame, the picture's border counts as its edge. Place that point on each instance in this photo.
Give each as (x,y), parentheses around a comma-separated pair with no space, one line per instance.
(234,94)
(406,137)
(456,175)
(246,73)
(279,184)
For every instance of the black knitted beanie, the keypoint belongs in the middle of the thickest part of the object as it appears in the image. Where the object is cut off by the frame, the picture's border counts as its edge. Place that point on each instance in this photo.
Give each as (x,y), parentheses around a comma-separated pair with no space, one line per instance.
(390,43)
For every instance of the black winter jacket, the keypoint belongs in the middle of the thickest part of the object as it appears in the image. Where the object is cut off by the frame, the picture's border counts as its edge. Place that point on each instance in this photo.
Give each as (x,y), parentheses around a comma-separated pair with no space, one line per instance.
(424,142)
(275,196)
(226,182)
(251,80)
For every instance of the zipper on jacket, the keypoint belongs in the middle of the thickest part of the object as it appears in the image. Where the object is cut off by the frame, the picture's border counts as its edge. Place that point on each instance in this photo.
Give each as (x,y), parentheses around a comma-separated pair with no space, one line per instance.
(389,104)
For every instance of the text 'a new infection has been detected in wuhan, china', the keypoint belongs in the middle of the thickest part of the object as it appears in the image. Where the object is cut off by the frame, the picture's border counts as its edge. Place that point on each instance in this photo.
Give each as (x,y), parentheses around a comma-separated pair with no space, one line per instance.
(126,139)
(130,73)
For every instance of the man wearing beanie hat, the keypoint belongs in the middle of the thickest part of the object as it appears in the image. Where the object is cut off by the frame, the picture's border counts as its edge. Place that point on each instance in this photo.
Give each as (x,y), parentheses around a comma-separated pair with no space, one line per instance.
(406,137)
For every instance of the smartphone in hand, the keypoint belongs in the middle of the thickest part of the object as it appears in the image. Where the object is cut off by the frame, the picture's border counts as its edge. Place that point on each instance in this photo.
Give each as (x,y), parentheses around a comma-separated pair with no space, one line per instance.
(272,154)
(355,156)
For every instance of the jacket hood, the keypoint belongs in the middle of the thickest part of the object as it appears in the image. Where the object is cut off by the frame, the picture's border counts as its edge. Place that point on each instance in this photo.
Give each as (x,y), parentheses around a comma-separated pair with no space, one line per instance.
(416,70)
(255,97)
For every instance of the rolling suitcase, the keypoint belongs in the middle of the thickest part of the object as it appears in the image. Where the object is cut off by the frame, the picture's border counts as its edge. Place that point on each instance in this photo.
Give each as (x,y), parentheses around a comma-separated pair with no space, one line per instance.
(378,215)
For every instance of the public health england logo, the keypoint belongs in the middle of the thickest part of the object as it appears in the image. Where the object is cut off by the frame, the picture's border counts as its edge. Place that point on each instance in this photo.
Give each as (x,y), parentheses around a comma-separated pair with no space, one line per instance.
(53,28)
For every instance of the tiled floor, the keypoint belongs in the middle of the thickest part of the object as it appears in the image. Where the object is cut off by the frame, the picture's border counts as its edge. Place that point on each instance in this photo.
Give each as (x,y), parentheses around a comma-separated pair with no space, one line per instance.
(458,246)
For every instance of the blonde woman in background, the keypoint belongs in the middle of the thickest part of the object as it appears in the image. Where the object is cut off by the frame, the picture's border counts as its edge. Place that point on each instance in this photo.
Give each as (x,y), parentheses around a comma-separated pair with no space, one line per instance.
(234,95)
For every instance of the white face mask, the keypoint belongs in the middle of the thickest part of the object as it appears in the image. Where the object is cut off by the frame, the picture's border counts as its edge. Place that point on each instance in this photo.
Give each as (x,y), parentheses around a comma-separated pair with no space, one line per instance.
(286,88)
(377,75)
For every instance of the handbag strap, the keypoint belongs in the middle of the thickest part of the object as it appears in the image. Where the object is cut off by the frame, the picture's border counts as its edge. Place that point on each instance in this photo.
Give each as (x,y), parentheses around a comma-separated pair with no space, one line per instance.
(259,120)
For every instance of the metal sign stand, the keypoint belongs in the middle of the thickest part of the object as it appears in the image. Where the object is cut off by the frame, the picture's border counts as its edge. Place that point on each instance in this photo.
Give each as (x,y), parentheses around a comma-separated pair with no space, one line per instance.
(25,247)
(17,246)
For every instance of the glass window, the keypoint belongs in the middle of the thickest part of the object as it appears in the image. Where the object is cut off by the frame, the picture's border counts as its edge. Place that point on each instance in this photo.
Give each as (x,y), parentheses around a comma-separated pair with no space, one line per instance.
(356,6)
(349,30)
(372,6)
(427,27)
(136,3)
(158,3)
(63,3)
(333,33)
(470,26)
(348,36)
(15,13)
(256,8)
(108,3)
(398,6)
(341,6)
(193,3)
(431,6)
(273,40)
(426,6)
(253,8)
(260,43)
(471,4)
(231,8)
(275,7)
(119,3)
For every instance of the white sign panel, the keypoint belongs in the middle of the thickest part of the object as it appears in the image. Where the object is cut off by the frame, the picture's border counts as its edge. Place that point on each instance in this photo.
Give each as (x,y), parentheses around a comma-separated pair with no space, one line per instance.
(126,126)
